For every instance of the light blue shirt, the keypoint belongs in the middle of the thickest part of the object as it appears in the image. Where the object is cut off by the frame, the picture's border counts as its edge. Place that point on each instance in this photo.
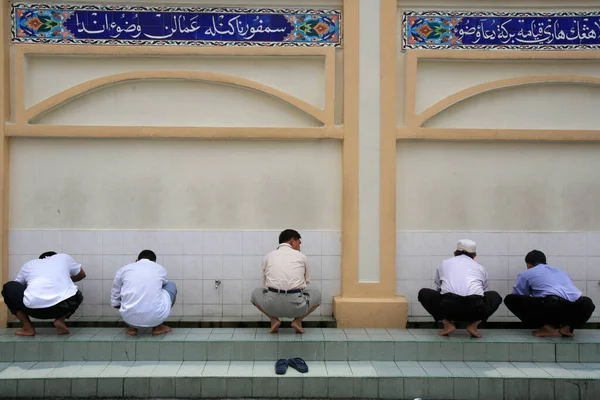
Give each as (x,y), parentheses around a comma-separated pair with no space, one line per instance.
(544,280)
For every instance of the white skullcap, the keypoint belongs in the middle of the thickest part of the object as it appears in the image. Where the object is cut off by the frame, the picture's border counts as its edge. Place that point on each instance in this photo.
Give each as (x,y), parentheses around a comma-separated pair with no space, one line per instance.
(466,245)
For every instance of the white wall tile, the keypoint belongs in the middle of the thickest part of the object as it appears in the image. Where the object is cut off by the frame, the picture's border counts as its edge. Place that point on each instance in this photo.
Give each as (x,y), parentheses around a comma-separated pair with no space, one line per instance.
(326,310)
(269,241)
(491,243)
(316,285)
(315,267)
(518,244)
(212,267)
(331,244)
(170,242)
(92,291)
(581,285)
(192,266)
(252,243)
(593,268)
(496,266)
(500,286)
(174,266)
(330,289)
(593,292)
(112,242)
(331,267)
(176,311)
(404,243)
(90,310)
(418,310)
(212,243)
(516,265)
(81,242)
(410,288)
(210,294)
(92,265)
(192,291)
(502,311)
(567,244)
(233,243)
(233,292)
(192,310)
(413,267)
(34,241)
(231,310)
(248,287)
(134,242)
(15,262)
(250,311)
(212,310)
(576,267)
(252,267)
(108,311)
(110,266)
(538,241)
(107,285)
(311,243)
(233,267)
(192,242)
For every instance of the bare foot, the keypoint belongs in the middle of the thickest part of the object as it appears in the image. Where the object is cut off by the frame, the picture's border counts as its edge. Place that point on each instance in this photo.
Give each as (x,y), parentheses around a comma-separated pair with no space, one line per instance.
(61,328)
(546,331)
(297,325)
(449,327)
(162,328)
(275,324)
(472,329)
(566,331)
(25,332)
(131,331)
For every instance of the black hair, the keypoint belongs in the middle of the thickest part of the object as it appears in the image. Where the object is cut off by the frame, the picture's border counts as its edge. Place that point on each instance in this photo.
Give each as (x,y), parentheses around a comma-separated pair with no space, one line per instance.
(464,253)
(147,255)
(535,257)
(288,235)
(47,254)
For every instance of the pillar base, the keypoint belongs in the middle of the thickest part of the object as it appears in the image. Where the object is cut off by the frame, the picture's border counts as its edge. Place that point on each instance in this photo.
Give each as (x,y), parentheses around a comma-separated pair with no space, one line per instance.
(391,312)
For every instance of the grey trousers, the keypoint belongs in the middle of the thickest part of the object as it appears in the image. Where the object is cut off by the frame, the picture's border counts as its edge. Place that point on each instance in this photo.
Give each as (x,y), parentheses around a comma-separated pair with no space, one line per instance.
(282,305)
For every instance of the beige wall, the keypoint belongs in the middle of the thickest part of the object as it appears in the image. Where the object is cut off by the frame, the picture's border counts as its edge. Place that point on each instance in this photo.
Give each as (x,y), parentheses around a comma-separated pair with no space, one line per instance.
(174,184)
(498,186)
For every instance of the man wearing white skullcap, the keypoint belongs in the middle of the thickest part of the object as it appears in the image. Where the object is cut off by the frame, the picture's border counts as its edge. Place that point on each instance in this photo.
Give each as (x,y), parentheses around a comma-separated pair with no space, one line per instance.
(460,296)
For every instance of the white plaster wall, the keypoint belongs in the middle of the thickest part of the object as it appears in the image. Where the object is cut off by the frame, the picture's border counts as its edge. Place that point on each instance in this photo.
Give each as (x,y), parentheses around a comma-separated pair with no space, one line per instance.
(175,184)
(283,73)
(194,259)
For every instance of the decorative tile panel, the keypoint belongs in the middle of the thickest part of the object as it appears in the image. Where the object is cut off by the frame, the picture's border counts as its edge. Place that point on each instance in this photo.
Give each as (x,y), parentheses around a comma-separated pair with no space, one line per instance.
(134,25)
(459,30)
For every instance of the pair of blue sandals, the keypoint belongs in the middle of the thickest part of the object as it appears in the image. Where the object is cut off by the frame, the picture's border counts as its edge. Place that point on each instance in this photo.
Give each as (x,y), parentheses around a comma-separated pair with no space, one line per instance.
(298,364)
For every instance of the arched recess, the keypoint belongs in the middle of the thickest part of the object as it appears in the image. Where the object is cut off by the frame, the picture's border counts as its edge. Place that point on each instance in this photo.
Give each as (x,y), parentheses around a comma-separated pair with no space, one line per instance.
(86,87)
(501,84)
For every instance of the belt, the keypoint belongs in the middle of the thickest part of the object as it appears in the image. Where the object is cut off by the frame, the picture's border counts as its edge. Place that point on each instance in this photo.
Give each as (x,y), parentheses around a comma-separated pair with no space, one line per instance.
(285,291)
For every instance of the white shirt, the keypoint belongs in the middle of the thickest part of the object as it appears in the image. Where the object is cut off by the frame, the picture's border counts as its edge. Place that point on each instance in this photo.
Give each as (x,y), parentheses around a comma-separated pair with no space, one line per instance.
(48,280)
(285,269)
(462,276)
(138,289)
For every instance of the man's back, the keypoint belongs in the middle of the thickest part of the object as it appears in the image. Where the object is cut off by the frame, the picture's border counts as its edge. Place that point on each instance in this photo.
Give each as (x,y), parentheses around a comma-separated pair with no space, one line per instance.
(462,276)
(48,280)
(544,280)
(143,302)
(286,269)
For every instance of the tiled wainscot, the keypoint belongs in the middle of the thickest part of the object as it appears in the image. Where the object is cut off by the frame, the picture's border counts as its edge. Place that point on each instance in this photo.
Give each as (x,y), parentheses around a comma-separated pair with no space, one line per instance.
(195,260)
(419,253)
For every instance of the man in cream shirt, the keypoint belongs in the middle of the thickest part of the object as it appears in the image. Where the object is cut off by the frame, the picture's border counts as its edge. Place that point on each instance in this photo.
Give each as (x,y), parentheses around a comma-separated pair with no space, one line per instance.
(285,276)
(143,294)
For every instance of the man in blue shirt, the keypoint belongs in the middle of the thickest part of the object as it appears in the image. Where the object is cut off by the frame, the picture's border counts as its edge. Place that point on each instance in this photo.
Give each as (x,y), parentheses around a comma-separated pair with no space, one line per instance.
(545,297)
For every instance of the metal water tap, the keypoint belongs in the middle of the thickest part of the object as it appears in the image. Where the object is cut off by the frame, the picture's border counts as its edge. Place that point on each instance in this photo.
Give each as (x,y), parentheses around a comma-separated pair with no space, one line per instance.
(217,283)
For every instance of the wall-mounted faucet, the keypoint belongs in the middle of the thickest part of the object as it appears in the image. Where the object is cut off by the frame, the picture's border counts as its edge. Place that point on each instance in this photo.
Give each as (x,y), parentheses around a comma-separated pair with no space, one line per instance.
(217,283)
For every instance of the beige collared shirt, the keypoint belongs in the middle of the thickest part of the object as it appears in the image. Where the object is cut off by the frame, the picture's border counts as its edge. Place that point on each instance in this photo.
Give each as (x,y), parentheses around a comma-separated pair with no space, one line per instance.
(285,269)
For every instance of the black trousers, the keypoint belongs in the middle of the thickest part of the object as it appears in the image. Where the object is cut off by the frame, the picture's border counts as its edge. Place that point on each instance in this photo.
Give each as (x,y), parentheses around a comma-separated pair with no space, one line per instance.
(552,310)
(459,308)
(14,292)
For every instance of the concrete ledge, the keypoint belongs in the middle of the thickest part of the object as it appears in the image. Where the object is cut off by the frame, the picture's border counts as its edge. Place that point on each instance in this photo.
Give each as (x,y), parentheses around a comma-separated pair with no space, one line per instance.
(391,313)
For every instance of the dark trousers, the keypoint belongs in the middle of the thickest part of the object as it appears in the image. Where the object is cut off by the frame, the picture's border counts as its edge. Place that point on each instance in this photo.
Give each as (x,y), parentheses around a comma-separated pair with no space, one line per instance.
(536,312)
(14,292)
(459,308)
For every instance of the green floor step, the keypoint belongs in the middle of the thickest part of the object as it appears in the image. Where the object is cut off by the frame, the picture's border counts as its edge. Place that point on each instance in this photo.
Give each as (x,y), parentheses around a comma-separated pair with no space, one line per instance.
(331,379)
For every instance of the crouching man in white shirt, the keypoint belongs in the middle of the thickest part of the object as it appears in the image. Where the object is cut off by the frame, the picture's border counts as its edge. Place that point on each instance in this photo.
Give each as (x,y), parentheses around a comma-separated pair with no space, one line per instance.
(285,276)
(461,292)
(45,289)
(143,294)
